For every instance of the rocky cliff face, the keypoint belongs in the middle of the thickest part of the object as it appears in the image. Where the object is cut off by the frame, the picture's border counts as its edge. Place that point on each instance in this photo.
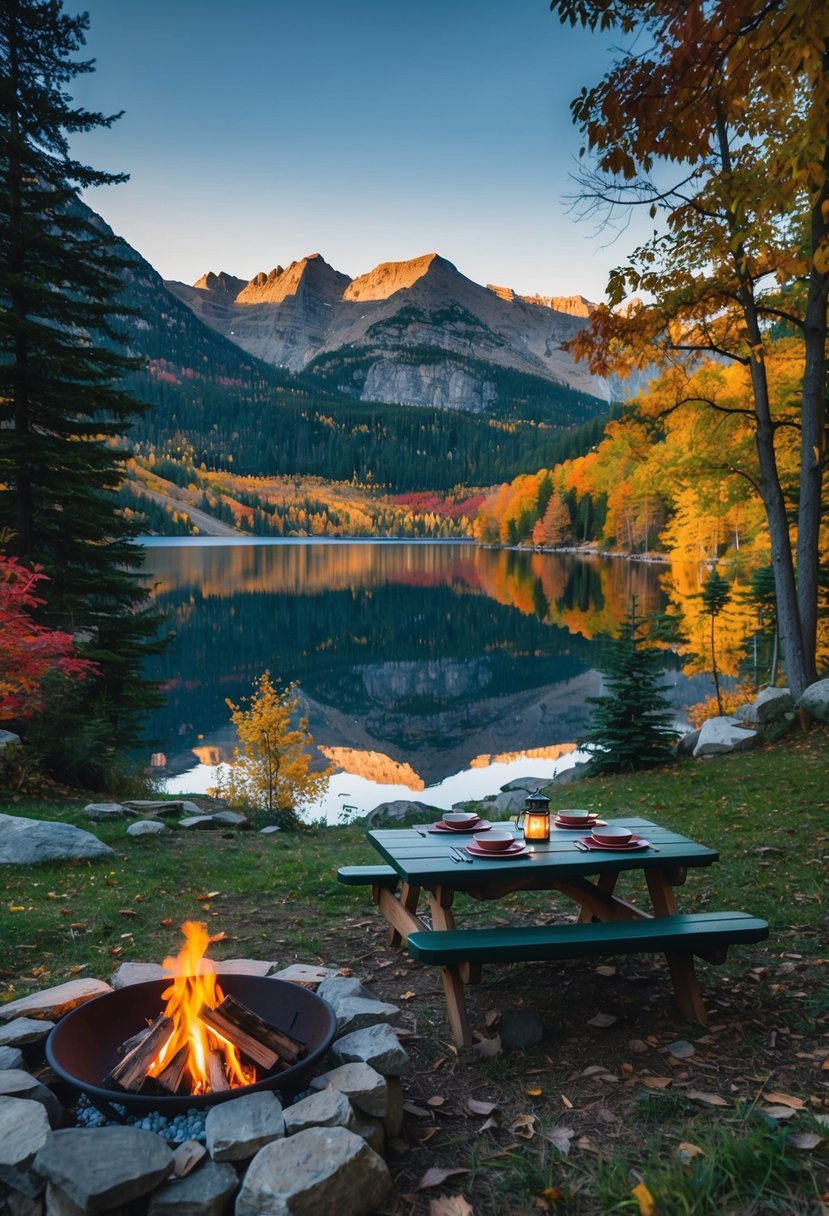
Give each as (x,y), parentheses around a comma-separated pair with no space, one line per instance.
(416,332)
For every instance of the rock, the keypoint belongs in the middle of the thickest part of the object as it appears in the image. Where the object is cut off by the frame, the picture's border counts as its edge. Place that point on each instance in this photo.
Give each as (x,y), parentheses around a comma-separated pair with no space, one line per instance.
(316,1172)
(24,1127)
(394,1109)
(232,819)
(338,987)
(269,829)
(29,842)
(157,807)
(328,1108)
(686,744)
(530,785)
(138,973)
(814,701)
(369,1129)
(238,1129)
(20,1084)
(205,1192)
(104,1166)
(520,1028)
(53,1003)
(204,823)
(11,1057)
(244,966)
(7,737)
(375,1045)
(507,803)
(18,1204)
(724,734)
(576,772)
(399,811)
(304,975)
(101,811)
(365,1088)
(146,827)
(355,1006)
(22,1030)
(768,706)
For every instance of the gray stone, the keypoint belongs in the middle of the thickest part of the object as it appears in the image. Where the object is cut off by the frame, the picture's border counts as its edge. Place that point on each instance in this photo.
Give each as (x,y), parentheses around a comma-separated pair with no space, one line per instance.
(17,1083)
(192,808)
(814,701)
(338,987)
(772,704)
(11,1057)
(24,1126)
(356,1014)
(720,735)
(23,1030)
(204,823)
(244,966)
(157,806)
(269,829)
(369,1129)
(394,1108)
(146,827)
(576,772)
(29,842)
(232,819)
(305,975)
(101,811)
(315,1173)
(686,744)
(377,1046)
(101,1167)
(398,811)
(53,1003)
(365,1088)
(7,737)
(508,803)
(138,973)
(18,1204)
(328,1108)
(238,1129)
(520,1029)
(531,785)
(206,1192)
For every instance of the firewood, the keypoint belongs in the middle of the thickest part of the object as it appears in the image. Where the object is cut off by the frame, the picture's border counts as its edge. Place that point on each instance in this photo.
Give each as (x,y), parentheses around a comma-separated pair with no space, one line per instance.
(186,1157)
(285,1047)
(216,1073)
(171,1076)
(242,1041)
(130,1071)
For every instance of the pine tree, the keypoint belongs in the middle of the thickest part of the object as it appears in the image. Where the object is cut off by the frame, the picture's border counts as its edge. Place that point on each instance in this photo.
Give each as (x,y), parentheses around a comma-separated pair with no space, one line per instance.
(62,414)
(630,725)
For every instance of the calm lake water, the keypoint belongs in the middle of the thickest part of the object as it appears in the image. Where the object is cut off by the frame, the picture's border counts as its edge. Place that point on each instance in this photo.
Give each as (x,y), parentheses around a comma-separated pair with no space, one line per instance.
(435,671)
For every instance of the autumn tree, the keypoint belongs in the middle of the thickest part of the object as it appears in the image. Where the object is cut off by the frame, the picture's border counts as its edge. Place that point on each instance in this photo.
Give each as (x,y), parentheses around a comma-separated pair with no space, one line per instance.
(270,771)
(715,121)
(63,413)
(554,526)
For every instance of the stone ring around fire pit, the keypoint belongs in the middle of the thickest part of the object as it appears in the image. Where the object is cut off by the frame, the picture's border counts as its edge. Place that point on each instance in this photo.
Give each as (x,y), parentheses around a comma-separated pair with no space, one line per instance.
(83,1047)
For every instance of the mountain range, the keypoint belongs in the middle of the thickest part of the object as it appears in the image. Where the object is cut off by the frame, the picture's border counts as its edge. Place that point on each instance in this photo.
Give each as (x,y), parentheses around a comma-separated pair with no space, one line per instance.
(416,332)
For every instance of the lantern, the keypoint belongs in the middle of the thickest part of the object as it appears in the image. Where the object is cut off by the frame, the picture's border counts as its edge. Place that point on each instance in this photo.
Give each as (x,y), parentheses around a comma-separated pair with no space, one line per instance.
(535,818)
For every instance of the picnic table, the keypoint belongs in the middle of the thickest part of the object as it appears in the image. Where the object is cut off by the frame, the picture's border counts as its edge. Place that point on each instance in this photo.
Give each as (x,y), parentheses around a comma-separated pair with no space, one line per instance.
(417,887)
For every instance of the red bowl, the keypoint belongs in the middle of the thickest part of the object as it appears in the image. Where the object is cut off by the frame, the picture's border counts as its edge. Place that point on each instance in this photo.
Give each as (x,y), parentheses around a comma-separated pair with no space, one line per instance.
(612,835)
(494,842)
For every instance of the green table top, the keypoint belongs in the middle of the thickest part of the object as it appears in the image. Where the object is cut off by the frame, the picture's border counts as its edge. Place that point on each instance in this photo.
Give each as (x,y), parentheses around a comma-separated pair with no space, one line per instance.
(422,858)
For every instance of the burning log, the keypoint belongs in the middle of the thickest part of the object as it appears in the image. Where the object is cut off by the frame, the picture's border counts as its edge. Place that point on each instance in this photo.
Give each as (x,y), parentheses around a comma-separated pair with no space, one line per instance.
(171,1076)
(216,1073)
(251,1035)
(141,1049)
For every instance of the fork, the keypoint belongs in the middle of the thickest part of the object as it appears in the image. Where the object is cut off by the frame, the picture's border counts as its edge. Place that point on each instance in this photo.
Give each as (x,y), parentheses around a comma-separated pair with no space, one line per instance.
(458,856)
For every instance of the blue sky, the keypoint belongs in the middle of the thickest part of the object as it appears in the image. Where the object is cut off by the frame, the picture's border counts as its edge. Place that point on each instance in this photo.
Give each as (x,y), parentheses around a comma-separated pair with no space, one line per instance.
(258,131)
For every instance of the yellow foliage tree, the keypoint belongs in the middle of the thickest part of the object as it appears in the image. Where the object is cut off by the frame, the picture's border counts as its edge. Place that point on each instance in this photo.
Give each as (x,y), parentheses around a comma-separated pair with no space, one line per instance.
(270,771)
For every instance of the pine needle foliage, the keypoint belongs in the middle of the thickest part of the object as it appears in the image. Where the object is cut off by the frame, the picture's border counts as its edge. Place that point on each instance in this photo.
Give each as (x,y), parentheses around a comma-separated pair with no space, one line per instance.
(630,726)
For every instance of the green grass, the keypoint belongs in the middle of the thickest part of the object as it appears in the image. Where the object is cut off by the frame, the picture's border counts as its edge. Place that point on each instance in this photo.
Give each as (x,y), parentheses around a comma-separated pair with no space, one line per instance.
(276,897)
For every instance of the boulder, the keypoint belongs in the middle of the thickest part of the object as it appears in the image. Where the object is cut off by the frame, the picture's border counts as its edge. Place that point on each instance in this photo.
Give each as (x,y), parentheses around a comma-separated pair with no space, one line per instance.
(138,973)
(103,1167)
(327,1108)
(814,701)
(725,734)
(7,737)
(53,1003)
(364,1087)
(509,802)
(100,812)
(530,785)
(19,1084)
(768,706)
(576,772)
(316,1171)
(238,1129)
(378,1046)
(23,1030)
(29,842)
(686,744)
(400,811)
(205,1192)
(24,1128)
(146,827)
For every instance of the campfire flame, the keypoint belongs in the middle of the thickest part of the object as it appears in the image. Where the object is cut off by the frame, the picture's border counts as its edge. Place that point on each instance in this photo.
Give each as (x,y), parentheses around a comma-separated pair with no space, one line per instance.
(194,986)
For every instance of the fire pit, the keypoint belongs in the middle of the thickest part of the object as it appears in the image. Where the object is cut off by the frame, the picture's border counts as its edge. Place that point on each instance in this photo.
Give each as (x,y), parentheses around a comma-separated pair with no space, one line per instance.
(83,1049)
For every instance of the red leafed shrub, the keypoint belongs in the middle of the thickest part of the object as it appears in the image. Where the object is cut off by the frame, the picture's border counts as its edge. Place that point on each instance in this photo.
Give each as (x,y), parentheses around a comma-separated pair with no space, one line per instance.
(29,651)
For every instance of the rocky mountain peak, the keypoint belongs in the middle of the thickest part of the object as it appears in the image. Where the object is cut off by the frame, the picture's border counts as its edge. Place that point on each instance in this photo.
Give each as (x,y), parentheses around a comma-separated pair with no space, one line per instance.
(311,273)
(224,283)
(390,277)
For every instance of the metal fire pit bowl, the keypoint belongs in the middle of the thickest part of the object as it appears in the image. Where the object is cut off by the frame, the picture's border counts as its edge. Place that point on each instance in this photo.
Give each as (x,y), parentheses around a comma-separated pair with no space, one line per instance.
(82,1048)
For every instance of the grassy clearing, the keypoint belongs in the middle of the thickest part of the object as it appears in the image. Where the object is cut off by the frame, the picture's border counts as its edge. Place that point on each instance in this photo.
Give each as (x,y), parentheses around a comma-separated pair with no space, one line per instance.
(624,1106)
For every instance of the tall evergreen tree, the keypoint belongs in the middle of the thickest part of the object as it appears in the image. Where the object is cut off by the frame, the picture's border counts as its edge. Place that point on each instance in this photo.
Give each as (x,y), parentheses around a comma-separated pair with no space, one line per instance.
(62,413)
(630,725)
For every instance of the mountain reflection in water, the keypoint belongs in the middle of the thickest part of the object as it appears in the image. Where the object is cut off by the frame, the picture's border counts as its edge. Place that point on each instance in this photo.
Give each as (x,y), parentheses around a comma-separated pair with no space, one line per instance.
(417,660)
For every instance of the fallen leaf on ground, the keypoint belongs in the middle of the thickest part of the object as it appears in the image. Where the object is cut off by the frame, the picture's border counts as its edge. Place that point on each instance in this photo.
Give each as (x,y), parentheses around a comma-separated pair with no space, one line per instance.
(657,1082)
(560,1138)
(474,1106)
(523,1126)
(436,1100)
(436,1176)
(687,1152)
(644,1198)
(698,1095)
(566,1103)
(427,1135)
(450,1205)
(602,1020)
(784,1100)
(681,1050)
(549,1197)
(606,969)
(419,1112)
(494,1121)
(408,996)
(805,1140)
(486,1049)
(779,1113)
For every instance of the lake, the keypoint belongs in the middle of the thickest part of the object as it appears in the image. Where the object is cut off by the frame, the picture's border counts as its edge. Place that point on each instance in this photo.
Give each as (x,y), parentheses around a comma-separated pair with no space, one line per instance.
(431,670)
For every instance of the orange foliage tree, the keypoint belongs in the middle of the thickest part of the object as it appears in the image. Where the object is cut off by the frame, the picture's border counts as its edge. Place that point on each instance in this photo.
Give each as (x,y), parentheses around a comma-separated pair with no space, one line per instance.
(715,122)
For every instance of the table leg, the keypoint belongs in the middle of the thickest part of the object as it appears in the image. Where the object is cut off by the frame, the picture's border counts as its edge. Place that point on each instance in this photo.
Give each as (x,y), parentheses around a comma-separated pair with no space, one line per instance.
(605,883)
(408,900)
(681,966)
(454,978)
(400,917)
